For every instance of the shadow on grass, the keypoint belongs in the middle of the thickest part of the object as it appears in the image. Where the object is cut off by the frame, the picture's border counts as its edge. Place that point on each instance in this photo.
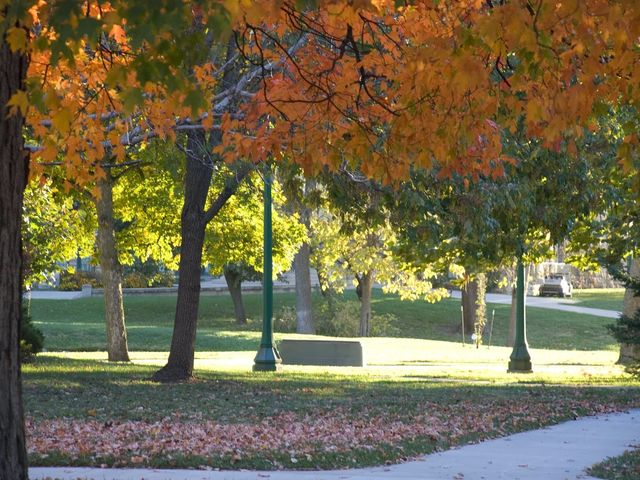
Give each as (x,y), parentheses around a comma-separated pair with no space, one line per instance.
(96,390)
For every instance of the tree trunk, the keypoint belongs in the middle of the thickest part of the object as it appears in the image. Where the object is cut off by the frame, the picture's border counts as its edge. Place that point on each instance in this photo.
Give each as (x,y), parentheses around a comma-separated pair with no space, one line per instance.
(194,220)
(305,322)
(469,299)
(14,164)
(480,307)
(117,348)
(234,284)
(365,282)
(630,353)
(198,174)
(304,308)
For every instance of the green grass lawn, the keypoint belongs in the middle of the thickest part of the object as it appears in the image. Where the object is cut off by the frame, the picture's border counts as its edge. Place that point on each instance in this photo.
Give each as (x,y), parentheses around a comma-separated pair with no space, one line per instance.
(416,398)
(420,392)
(79,324)
(623,467)
(606,298)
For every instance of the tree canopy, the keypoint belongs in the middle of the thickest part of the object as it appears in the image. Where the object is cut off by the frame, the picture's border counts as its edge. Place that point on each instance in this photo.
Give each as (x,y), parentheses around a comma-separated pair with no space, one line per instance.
(382,85)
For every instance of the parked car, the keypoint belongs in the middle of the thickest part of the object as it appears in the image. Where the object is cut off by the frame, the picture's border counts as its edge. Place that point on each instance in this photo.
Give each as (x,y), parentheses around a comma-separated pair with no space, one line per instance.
(556,285)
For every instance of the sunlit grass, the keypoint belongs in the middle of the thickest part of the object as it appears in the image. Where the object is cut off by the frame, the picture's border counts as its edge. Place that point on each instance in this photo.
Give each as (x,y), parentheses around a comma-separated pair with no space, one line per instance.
(79,324)
(401,359)
(605,298)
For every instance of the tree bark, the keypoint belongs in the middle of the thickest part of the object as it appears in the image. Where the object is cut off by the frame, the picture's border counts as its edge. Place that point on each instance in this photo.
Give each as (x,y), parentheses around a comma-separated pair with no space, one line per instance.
(117,349)
(365,283)
(302,268)
(304,308)
(469,299)
(234,284)
(198,174)
(630,305)
(14,164)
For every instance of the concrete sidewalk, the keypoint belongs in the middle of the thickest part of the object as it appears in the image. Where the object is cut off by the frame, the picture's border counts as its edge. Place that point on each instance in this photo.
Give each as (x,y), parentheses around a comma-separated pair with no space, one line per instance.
(552,303)
(559,452)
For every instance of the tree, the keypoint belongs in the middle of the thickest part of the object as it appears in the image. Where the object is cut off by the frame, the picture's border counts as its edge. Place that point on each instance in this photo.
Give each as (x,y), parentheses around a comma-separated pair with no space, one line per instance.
(608,235)
(364,253)
(302,196)
(233,241)
(55,229)
(14,167)
(70,23)
(416,72)
(302,266)
(627,330)
(482,225)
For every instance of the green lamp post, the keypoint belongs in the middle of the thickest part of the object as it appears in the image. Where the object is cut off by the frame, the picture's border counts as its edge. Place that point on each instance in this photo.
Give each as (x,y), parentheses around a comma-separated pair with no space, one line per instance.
(520,360)
(267,359)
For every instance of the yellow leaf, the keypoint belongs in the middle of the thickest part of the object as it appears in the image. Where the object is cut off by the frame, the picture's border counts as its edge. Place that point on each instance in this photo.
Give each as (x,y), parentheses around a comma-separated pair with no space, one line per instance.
(18,102)
(17,39)
(62,120)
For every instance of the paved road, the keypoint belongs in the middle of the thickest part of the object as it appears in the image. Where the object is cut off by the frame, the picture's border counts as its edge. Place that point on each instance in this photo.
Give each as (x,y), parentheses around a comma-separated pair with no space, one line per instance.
(559,452)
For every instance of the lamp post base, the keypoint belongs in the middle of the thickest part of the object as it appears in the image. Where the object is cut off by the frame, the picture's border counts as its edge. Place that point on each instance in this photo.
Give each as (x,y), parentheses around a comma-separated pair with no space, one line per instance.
(267,360)
(520,365)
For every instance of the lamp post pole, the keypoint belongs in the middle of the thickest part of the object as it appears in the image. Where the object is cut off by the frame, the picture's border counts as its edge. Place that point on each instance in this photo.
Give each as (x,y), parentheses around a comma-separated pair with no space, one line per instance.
(267,359)
(520,360)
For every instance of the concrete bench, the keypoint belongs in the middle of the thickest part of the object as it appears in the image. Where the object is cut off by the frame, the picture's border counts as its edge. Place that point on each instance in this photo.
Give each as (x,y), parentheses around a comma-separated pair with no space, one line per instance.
(340,353)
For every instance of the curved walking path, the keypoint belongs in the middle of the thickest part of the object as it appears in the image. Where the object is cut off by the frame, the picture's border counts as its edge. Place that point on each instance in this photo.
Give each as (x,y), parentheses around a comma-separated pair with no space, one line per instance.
(558,452)
(552,303)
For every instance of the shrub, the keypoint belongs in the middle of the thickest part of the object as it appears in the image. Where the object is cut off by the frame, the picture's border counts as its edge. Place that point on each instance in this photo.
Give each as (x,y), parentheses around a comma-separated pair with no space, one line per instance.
(338,319)
(285,320)
(342,319)
(146,274)
(31,338)
(135,280)
(163,279)
(382,325)
(75,281)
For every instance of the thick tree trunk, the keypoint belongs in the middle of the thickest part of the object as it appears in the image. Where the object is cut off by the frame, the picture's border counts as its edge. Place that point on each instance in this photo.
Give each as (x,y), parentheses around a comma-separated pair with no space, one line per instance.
(196,187)
(234,284)
(13,178)
(469,299)
(117,348)
(304,308)
(365,283)
(630,305)
(199,170)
